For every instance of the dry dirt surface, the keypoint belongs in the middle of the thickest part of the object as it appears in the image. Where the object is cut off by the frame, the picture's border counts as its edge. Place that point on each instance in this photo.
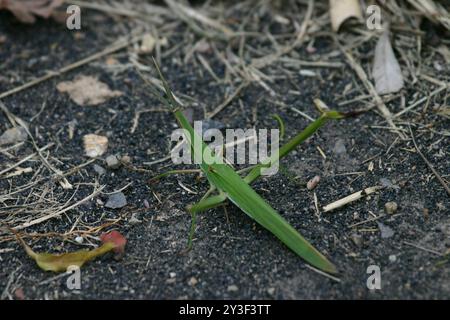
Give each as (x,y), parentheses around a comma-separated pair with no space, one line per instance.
(250,60)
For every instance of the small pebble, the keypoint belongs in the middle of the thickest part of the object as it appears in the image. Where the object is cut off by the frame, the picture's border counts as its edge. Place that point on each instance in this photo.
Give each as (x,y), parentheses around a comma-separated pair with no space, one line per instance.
(386,183)
(392,258)
(172,274)
(192,281)
(13,135)
(125,159)
(232,288)
(386,232)
(99,169)
(112,162)
(339,147)
(79,239)
(313,183)
(357,239)
(307,73)
(116,201)
(95,145)
(391,207)
(148,43)
(271,291)
(19,294)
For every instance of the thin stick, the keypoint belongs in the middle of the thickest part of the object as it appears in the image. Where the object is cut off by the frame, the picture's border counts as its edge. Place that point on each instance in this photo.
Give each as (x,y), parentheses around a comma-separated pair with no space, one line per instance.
(350,198)
(365,221)
(323,273)
(429,163)
(304,115)
(422,248)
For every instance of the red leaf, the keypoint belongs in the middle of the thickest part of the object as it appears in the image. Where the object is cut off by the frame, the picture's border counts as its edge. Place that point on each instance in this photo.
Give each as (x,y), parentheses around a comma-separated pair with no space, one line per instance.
(117,239)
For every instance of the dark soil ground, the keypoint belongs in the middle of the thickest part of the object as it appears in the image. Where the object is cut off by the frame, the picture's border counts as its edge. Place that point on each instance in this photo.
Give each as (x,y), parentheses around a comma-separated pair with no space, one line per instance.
(232,257)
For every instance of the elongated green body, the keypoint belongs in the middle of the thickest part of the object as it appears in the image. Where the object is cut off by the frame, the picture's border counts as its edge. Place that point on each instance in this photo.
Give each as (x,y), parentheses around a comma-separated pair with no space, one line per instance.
(226,180)
(243,196)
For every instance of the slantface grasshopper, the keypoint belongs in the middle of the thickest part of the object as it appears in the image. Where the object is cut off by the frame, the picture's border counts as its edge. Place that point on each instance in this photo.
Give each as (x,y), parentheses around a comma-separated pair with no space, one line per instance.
(228,184)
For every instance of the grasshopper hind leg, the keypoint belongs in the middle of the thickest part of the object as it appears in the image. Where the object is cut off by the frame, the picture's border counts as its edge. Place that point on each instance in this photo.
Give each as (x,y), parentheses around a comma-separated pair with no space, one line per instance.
(191,233)
(207,202)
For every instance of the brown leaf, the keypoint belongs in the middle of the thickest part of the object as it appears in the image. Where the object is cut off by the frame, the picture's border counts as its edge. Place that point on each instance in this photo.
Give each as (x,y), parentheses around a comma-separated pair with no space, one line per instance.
(87,91)
(26,10)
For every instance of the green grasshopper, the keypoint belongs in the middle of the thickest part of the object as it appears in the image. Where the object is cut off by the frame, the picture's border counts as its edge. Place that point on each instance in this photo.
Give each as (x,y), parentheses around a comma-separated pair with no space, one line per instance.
(229,184)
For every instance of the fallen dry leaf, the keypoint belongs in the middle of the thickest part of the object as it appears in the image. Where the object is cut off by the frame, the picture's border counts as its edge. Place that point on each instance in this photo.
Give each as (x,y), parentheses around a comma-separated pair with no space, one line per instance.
(27,10)
(95,145)
(87,91)
(386,70)
(342,10)
(60,262)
